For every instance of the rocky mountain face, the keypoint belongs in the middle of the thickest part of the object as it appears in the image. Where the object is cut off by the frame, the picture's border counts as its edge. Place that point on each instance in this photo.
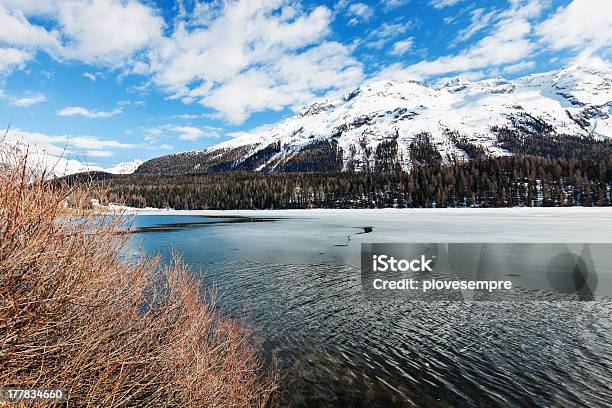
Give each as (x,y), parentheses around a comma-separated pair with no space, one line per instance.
(386,125)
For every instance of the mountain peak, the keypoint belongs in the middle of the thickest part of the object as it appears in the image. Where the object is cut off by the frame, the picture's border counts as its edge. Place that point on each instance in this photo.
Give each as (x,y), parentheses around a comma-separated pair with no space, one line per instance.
(454,84)
(128,167)
(380,124)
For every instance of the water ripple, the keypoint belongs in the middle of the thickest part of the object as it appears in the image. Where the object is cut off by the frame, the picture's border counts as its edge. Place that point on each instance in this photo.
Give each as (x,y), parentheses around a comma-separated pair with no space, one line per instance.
(340,349)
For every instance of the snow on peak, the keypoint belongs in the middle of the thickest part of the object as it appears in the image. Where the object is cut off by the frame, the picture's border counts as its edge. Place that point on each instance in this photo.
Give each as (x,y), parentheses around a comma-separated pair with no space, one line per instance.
(575,100)
(128,167)
(456,84)
(39,160)
(495,85)
(584,85)
(316,107)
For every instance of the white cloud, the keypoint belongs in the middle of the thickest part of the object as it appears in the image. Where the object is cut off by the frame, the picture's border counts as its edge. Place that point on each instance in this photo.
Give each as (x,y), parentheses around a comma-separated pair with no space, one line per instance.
(443,3)
(18,31)
(359,13)
(509,42)
(385,32)
(238,72)
(519,67)
(107,31)
(220,51)
(95,31)
(257,129)
(31,7)
(79,111)
(11,58)
(292,80)
(191,133)
(581,24)
(99,153)
(479,21)
(90,142)
(89,76)
(187,116)
(587,59)
(401,47)
(397,71)
(203,12)
(28,100)
(63,145)
(183,132)
(213,51)
(391,4)
(23,101)
(126,102)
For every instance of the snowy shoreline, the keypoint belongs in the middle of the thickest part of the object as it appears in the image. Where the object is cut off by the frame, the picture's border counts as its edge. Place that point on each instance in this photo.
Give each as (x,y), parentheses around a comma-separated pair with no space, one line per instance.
(519,211)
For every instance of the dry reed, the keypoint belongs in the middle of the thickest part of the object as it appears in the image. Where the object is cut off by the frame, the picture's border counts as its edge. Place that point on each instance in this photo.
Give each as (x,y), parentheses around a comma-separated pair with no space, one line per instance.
(76,315)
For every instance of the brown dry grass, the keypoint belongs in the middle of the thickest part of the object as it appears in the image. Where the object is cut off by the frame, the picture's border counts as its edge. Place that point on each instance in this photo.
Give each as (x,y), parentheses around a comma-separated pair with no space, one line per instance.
(75,315)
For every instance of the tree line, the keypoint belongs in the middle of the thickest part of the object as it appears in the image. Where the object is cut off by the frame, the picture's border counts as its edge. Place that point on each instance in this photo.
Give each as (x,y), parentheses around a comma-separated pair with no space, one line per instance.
(483,182)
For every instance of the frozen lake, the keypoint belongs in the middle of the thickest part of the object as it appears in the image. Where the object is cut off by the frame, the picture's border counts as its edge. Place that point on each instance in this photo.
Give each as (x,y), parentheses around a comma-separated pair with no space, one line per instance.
(294,277)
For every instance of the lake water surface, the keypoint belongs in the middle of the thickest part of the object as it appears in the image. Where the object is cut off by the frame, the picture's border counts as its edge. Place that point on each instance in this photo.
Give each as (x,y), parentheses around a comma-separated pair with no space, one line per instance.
(294,276)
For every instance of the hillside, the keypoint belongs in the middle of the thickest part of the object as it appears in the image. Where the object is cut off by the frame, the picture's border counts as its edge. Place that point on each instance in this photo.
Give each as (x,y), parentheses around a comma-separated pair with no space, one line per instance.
(392,125)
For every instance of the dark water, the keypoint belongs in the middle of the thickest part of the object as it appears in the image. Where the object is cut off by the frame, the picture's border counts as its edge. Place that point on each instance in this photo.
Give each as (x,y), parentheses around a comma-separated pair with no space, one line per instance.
(296,280)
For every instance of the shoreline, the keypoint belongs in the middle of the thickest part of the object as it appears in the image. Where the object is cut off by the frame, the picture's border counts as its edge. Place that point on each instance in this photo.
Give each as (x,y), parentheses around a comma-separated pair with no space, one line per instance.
(520,211)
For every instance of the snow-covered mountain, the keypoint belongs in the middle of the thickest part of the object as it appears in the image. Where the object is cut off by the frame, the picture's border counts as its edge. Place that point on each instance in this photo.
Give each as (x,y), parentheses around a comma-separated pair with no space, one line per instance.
(381,122)
(124,167)
(39,160)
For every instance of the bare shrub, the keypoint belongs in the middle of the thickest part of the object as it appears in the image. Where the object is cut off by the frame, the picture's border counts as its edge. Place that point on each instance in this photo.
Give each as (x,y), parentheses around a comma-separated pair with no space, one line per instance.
(111,331)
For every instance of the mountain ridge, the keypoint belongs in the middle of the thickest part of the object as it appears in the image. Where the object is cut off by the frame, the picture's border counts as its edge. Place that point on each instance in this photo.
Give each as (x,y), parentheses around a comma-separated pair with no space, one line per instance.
(386,124)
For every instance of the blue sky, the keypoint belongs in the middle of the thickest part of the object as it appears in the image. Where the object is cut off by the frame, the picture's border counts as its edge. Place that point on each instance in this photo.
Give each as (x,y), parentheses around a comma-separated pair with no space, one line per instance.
(115,80)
